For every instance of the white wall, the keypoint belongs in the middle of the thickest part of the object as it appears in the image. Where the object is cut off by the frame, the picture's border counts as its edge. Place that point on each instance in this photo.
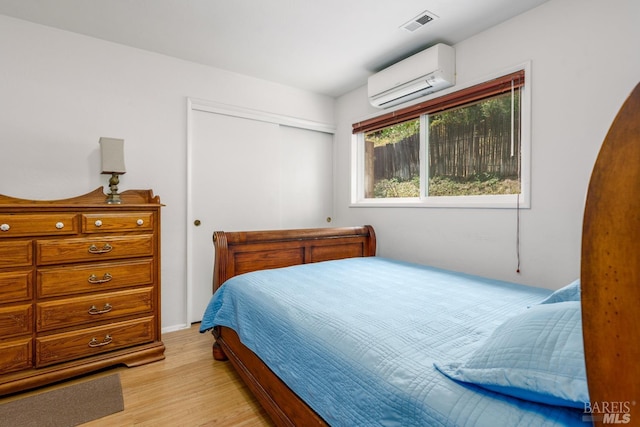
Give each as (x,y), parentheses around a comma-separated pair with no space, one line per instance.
(584,64)
(60,92)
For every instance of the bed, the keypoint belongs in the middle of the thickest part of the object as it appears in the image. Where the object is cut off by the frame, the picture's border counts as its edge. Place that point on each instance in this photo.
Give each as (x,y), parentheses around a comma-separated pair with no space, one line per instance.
(457,349)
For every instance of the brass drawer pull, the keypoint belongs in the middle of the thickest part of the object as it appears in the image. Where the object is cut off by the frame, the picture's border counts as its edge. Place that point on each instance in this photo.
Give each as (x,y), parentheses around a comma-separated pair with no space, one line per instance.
(93,249)
(94,310)
(95,343)
(93,279)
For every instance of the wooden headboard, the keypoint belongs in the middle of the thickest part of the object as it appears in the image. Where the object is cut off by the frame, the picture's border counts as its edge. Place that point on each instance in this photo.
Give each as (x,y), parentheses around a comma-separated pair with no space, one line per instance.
(610,271)
(245,251)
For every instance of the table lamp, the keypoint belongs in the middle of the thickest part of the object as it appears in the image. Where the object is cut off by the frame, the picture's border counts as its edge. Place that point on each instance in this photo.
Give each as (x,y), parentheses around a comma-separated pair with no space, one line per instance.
(112,151)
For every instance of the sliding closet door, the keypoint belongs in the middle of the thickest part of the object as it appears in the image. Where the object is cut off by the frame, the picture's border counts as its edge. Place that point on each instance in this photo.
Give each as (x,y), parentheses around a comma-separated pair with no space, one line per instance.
(306,197)
(248,174)
(232,188)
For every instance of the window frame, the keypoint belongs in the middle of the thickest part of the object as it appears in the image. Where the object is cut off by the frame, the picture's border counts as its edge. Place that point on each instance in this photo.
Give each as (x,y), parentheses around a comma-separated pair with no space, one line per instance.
(405,113)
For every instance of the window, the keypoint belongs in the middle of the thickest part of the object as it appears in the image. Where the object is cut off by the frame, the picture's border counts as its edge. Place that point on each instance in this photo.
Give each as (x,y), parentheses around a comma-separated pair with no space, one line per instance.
(467,148)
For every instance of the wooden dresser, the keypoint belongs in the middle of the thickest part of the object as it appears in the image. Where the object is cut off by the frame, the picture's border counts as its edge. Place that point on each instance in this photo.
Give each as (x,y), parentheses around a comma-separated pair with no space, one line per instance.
(79,286)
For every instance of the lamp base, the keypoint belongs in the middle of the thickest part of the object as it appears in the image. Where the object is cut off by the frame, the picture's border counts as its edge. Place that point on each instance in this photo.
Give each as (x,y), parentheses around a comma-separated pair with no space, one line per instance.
(113,198)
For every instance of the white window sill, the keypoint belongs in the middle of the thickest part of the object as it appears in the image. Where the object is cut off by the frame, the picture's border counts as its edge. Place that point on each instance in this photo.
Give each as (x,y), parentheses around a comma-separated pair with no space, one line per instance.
(507,201)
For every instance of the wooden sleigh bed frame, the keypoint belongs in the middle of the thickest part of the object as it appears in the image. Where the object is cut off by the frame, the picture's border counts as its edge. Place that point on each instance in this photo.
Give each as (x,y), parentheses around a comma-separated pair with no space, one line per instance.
(610,280)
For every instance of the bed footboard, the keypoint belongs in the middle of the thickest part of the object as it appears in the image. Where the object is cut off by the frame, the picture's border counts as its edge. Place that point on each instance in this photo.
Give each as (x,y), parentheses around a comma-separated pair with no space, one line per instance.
(610,271)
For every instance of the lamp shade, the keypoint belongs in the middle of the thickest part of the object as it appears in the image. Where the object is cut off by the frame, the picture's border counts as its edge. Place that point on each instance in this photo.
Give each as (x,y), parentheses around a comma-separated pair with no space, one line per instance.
(112,151)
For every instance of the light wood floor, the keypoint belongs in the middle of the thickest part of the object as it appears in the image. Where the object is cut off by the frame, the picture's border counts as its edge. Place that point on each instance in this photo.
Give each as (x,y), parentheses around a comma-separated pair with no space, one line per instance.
(187,389)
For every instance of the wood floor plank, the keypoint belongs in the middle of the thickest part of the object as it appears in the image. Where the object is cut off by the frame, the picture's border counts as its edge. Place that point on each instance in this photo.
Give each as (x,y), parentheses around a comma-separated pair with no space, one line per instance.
(188,388)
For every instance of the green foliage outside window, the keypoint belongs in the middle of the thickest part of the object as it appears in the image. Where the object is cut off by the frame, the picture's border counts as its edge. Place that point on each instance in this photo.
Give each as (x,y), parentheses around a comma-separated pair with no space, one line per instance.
(471,152)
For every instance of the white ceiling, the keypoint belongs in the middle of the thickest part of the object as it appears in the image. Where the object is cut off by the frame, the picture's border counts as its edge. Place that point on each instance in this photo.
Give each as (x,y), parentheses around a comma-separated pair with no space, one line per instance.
(326,46)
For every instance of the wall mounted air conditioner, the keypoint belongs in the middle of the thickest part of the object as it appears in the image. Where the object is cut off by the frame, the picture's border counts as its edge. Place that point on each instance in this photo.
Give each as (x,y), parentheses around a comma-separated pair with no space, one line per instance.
(425,72)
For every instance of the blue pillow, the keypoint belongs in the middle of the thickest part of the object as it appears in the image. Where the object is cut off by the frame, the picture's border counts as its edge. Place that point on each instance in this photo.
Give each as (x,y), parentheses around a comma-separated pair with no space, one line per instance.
(571,292)
(537,355)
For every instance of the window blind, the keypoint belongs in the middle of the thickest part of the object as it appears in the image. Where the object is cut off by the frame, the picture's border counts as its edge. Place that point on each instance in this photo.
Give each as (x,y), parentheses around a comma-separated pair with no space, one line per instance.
(468,95)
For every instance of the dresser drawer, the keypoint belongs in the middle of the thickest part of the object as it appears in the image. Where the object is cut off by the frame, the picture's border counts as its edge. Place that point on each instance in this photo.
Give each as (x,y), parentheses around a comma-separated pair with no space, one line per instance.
(95,307)
(75,279)
(15,285)
(16,355)
(115,222)
(93,248)
(87,342)
(16,253)
(14,225)
(16,320)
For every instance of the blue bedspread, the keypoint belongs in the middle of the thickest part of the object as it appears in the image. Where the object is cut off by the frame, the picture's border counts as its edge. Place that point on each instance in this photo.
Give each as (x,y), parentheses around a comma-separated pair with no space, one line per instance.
(360,347)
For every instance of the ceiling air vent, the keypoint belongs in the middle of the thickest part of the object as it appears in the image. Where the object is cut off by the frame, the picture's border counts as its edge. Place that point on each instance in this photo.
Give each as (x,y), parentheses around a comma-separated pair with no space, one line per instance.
(419,21)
